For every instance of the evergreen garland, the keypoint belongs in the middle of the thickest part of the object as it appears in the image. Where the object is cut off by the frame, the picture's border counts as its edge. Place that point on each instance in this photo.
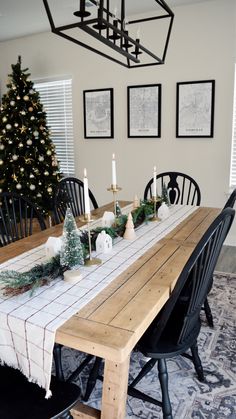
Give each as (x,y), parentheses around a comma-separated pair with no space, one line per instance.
(15,283)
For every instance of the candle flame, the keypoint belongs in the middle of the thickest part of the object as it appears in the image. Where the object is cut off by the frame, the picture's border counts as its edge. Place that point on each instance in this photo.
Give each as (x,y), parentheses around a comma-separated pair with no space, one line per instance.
(113,156)
(155,168)
(85,172)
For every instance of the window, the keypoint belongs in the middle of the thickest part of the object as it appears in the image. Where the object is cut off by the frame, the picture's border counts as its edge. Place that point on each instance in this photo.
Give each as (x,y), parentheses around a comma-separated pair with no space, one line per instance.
(56,97)
(233,151)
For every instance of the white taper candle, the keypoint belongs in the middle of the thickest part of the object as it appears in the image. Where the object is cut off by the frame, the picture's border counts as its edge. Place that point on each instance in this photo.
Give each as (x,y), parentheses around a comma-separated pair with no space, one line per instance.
(154,189)
(113,170)
(86,194)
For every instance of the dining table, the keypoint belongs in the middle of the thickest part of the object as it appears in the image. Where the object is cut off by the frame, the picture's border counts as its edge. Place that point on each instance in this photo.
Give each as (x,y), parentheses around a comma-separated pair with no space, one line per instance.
(111,323)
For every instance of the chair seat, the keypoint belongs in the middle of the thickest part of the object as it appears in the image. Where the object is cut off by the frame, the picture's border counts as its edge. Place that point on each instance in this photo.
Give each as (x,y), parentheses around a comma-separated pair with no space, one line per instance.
(167,347)
(21,399)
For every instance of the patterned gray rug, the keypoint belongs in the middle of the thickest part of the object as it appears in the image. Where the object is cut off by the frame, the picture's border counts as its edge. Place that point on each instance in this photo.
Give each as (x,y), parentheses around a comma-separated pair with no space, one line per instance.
(213,399)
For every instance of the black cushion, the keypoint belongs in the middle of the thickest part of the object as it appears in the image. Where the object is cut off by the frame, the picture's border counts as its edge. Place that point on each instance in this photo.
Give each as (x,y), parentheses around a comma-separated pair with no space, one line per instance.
(20,399)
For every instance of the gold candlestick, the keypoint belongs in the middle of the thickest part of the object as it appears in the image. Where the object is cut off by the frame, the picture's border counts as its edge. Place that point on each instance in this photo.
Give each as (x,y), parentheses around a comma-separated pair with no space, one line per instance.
(90,261)
(154,199)
(114,189)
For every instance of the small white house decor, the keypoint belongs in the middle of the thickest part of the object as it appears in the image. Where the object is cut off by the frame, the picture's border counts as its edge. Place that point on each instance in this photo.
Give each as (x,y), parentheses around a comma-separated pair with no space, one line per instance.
(52,246)
(108,219)
(163,211)
(103,243)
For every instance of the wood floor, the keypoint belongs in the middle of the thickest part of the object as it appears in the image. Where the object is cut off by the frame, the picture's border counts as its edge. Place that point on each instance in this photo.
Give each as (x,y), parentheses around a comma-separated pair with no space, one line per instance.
(227,260)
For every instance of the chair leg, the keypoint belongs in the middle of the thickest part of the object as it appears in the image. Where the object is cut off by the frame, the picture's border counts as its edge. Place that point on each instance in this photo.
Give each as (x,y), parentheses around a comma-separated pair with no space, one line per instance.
(163,377)
(75,374)
(208,313)
(197,362)
(147,367)
(92,378)
(57,360)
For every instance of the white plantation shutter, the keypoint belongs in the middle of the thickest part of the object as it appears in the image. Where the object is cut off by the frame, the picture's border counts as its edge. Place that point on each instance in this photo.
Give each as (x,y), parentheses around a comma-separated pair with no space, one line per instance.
(233,151)
(56,98)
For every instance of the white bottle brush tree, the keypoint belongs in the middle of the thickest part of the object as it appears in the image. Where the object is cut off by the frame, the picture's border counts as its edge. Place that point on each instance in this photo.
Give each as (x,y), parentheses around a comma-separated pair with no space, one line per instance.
(72,250)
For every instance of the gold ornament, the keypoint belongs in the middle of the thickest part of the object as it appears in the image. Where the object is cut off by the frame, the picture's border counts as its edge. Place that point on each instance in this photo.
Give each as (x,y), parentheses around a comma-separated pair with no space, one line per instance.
(1,162)
(14,177)
(26,97)
(18,186)
(30,109)
(23,129)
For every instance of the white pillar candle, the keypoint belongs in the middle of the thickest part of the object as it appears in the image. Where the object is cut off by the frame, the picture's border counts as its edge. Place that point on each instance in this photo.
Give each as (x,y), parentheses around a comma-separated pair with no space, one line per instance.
(86,194)
(113,170)
(154,189)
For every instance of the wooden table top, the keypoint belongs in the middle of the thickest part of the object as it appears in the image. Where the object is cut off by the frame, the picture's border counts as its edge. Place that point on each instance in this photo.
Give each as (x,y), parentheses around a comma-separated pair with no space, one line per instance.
(113,322)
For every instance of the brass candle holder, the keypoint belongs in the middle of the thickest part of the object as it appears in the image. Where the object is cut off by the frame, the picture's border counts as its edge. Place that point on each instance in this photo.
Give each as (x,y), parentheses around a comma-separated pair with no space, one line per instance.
(154,199)
(86,218)
(114,189)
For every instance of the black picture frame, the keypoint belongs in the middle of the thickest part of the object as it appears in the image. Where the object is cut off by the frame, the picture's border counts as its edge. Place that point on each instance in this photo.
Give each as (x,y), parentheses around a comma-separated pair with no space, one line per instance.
(195,104)
(98,113)
(144,111)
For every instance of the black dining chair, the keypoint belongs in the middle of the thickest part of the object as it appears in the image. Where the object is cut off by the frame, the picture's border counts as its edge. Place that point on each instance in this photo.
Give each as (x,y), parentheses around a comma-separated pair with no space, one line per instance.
(19,217)
(181,188)
(206,307)
(70,193)
(177,327)
(175,330)
(231,200)
(21,399)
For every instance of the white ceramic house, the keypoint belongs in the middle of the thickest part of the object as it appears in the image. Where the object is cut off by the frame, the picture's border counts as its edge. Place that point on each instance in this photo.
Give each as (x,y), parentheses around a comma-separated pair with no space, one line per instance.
(103,243)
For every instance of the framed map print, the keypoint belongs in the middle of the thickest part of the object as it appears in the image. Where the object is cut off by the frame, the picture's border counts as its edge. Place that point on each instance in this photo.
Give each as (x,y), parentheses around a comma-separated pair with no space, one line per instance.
(98,113)
(195,109)
(144,111)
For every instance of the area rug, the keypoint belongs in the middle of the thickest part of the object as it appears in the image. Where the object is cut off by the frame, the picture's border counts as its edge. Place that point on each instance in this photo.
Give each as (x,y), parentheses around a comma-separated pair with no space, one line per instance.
(213,399)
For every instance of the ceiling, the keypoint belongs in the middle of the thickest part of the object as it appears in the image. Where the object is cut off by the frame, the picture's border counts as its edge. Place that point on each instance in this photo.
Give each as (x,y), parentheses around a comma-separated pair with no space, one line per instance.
(25,17)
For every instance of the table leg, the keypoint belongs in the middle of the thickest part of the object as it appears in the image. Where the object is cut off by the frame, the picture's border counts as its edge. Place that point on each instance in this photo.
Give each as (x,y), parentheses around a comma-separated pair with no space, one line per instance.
(115,385)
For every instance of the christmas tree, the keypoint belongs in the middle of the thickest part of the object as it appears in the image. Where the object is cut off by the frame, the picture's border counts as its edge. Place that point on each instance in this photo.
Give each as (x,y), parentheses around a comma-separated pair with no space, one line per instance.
(72,250)
(28,163)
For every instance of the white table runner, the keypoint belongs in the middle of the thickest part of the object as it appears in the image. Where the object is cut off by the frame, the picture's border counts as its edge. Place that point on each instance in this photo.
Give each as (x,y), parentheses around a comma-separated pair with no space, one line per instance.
(28,323)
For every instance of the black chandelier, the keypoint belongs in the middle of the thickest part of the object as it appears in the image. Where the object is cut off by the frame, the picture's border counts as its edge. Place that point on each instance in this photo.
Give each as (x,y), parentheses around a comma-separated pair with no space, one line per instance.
(110,26)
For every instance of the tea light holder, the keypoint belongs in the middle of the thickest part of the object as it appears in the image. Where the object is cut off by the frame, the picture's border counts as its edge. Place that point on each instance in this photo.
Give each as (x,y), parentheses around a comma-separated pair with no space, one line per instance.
(86,218)
(114,189)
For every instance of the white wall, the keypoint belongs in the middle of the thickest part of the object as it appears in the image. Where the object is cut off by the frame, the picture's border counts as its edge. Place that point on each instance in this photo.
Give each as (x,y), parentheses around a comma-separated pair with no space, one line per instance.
(202,46)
